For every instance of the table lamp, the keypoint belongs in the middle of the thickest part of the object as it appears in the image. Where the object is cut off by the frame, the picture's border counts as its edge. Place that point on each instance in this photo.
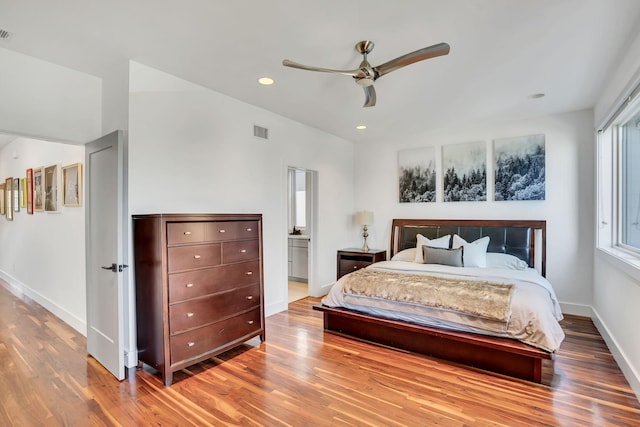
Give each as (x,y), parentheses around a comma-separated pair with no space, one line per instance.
(364,218)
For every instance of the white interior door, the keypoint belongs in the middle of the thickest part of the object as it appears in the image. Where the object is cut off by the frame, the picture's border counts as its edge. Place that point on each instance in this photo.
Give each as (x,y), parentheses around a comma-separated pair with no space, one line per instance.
(106,250)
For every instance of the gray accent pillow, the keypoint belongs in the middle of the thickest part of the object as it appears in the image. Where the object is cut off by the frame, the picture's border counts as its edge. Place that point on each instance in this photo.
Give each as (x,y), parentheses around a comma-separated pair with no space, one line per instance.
(444,256)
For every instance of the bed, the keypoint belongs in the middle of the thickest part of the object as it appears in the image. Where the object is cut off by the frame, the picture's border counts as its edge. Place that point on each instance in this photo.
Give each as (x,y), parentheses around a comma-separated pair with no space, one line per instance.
(497,312)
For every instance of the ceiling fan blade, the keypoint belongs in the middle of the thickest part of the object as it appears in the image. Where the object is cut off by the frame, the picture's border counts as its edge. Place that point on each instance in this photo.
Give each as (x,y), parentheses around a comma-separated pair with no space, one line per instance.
(369,96)
(410,58)
(352,73)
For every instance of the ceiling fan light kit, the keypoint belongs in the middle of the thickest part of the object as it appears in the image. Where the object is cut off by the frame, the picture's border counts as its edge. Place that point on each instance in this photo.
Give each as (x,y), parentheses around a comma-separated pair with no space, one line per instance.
(365,75)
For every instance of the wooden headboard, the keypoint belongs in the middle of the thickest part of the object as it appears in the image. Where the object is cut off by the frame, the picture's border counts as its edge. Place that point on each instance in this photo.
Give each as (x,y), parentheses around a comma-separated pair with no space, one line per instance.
(514,237)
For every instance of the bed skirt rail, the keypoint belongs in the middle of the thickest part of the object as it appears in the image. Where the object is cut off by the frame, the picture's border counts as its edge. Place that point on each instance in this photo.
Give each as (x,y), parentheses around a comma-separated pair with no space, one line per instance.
(501,355)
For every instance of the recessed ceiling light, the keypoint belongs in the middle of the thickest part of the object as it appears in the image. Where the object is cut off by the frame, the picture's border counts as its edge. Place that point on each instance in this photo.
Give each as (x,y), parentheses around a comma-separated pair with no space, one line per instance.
(361,127)
(265,81)
(536,95)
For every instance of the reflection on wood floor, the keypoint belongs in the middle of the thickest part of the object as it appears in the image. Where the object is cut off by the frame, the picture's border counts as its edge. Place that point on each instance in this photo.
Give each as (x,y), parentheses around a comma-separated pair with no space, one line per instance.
(299,377)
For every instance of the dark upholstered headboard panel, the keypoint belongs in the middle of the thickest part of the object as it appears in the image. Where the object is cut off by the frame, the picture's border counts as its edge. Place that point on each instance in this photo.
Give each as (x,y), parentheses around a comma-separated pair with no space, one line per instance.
(505,236)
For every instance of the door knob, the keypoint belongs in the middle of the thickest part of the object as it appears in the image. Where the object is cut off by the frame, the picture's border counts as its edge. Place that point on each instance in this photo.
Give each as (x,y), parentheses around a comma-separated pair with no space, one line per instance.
(115,267)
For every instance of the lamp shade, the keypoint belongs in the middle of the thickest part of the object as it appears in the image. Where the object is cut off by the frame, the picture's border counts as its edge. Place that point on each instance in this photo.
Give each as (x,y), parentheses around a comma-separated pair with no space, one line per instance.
(364,218)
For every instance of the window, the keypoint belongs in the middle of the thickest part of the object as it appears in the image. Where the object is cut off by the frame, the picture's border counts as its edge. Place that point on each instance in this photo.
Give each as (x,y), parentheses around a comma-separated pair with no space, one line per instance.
(298,200)
(629,134)
(619,182)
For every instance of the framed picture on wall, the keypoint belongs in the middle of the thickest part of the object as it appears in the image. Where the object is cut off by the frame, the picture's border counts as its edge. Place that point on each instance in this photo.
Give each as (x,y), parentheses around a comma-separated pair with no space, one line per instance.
(417,175)
(2,199)
(16,194)
(519,168)
(23,192)
(8,198)
(72,185)
(52,188)
(38,189)
(464,169)
(29,191)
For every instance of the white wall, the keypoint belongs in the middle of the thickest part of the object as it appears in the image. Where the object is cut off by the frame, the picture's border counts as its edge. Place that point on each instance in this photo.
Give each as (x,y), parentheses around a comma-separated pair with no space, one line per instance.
(43,254)
(616,294)
(41,99)
(567,208)
(193,150)
(115,98)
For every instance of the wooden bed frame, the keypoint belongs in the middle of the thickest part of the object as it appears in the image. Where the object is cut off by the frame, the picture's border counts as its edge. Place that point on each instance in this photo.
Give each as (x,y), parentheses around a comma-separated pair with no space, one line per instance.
(501,355)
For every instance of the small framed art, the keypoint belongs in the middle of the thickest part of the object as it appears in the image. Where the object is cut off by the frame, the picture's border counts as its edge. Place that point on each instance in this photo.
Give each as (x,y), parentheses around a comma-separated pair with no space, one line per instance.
(16,194)
(72,184)
(52,188)
(8,198)
(38,189)
(29,191)
(23,192)
(2,199)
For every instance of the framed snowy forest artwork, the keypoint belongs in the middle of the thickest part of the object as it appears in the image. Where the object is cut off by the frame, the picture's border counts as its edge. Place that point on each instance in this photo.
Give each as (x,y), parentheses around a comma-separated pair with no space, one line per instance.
(417,175)
(464,169)
(519,168)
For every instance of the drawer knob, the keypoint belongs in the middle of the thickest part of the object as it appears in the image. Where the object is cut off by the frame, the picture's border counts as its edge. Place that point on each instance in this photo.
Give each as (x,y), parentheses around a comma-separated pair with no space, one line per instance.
(189,314)
(248,229)
(187,233)
(249,273)
(249,297)
(355,267)
(243,251)
(223,231)
(190,344)
(189,285)
(196,256)
(250,322)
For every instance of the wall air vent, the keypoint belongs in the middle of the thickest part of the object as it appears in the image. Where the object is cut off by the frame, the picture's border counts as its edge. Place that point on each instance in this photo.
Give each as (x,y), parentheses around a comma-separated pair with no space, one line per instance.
(4,34)
(260,132)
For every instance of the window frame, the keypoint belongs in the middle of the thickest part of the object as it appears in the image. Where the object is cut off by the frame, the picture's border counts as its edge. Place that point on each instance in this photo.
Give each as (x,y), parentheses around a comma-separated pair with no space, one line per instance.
(609,174)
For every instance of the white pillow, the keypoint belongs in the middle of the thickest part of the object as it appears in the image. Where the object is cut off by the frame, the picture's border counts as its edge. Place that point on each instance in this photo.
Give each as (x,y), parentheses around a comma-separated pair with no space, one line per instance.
(405,255)
(475,253)
(506,261)
(440,242)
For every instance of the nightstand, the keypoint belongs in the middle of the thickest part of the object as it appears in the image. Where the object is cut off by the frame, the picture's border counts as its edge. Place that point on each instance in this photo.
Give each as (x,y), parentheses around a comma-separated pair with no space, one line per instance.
(352,259)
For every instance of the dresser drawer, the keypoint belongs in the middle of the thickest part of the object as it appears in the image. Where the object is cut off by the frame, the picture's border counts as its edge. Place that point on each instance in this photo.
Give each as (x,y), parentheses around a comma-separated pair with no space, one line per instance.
(197,283)
(185,232)
(195,256)
(231,230)
(208,338)
(242,250)
(198,312)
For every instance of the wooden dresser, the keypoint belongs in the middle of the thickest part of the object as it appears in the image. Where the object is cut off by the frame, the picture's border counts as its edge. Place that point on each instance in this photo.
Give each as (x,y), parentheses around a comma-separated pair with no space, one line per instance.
(199,286)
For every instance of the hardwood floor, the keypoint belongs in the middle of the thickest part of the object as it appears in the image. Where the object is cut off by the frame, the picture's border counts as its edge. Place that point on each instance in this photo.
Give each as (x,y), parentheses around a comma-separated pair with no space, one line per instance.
(299,377)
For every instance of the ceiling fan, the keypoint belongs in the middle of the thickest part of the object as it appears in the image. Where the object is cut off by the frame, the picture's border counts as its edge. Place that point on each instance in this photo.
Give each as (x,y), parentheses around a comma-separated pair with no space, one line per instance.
(365,74)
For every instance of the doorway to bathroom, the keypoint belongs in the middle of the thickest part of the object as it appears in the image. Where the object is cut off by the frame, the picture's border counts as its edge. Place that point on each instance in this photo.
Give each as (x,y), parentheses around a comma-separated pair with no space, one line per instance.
(300,225)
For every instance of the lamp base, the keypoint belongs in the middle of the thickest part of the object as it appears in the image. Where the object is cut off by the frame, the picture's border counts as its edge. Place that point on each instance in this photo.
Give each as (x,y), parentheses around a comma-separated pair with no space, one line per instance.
(365,247)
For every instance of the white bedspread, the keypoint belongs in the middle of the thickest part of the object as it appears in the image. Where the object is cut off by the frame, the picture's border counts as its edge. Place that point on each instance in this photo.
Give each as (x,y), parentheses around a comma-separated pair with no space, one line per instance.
(535,311)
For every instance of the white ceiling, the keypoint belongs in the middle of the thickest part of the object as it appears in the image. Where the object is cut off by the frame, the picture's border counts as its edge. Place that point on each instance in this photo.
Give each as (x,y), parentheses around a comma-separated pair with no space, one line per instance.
(502,51)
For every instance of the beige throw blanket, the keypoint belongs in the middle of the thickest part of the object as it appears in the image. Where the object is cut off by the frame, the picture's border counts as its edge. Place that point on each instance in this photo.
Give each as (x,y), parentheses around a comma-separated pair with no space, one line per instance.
(474,297)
